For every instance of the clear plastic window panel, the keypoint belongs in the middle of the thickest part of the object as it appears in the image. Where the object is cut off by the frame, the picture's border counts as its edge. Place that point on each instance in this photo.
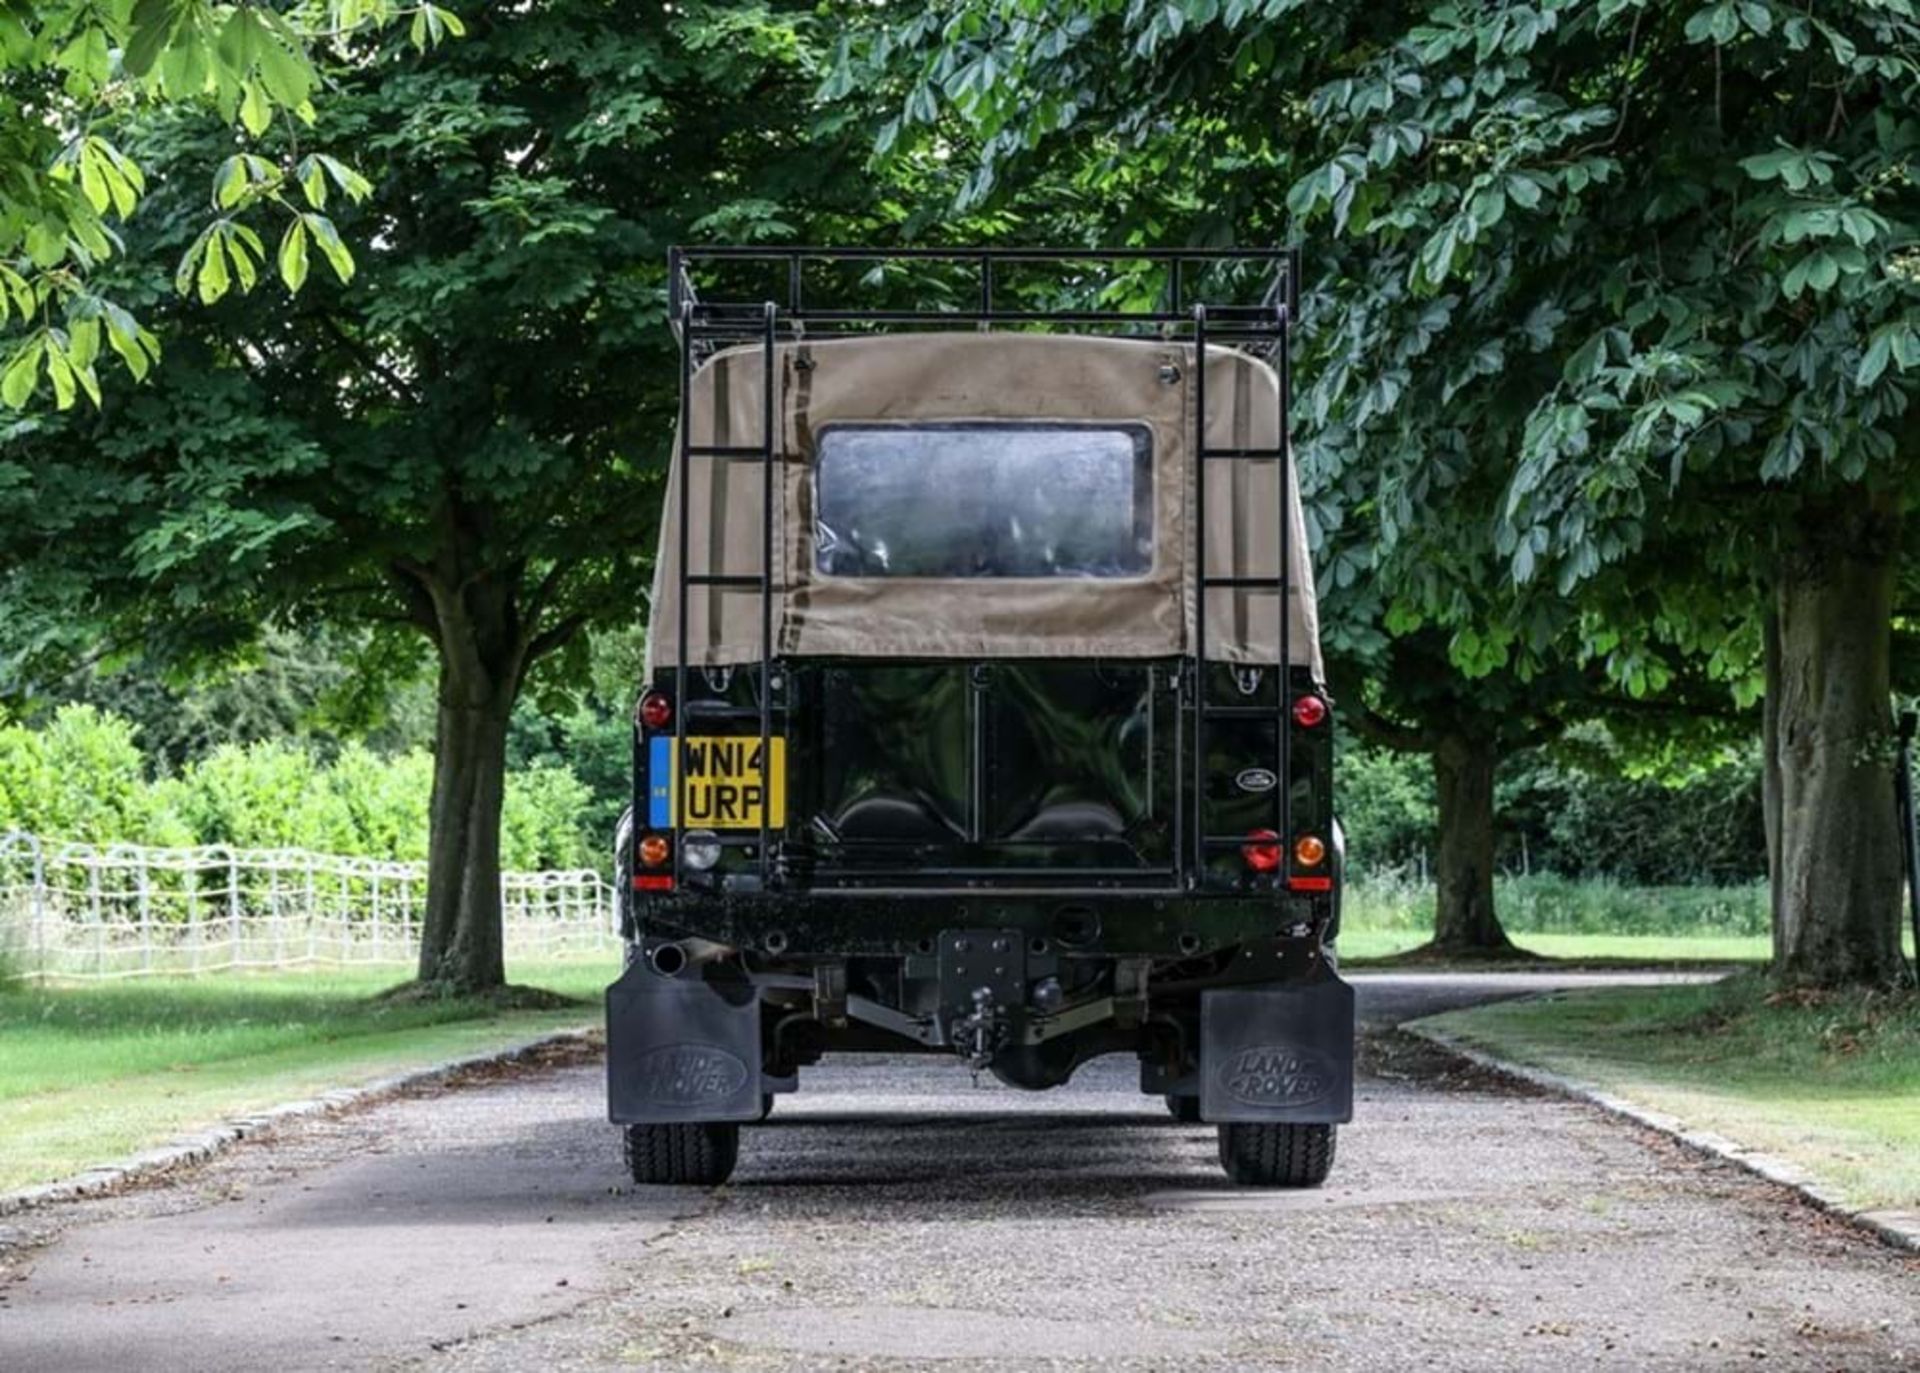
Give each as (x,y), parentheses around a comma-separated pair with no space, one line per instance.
(984,500)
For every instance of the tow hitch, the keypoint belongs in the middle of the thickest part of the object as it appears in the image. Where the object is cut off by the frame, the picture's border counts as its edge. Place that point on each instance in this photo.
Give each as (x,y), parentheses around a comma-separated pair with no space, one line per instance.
(983,992)
(978,1035)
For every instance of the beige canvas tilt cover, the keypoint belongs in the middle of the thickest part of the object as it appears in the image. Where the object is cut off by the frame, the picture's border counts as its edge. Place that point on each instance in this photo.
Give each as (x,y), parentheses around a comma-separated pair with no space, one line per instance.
(913,378)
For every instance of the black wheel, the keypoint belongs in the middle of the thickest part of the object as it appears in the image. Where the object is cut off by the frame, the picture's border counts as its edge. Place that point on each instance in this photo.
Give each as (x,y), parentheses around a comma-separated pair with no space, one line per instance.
(682,1155)
(1259,1155)
(1185,1109)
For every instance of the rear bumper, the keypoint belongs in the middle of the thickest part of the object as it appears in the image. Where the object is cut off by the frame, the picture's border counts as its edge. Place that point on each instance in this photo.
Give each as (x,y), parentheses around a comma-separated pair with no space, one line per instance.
(842,923)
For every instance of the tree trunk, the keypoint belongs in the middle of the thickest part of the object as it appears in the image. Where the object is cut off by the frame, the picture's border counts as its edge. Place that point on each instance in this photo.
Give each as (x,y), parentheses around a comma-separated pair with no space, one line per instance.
(461,939)
(1464,919)
(474,619)
(1770,773)
(1837,878)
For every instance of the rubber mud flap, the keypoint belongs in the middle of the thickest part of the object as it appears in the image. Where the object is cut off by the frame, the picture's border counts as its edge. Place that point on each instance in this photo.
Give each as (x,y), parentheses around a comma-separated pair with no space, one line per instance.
(1282,1053)
(681,1050)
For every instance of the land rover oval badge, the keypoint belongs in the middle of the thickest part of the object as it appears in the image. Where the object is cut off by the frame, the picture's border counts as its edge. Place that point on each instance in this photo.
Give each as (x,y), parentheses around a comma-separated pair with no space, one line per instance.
(1255,779)
(687,1075)
(1276,1077)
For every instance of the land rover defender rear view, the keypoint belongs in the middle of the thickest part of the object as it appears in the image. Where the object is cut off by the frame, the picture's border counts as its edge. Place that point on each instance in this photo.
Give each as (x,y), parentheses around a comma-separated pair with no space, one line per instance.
(984,717)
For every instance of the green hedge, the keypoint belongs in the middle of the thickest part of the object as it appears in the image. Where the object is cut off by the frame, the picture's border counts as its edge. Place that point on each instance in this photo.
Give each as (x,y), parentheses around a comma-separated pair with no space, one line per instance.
(1546,903)
(1592,821)
(82,776)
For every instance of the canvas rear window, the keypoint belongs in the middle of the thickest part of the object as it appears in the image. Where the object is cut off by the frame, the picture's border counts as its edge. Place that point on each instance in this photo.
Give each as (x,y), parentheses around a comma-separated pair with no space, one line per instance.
(983,500)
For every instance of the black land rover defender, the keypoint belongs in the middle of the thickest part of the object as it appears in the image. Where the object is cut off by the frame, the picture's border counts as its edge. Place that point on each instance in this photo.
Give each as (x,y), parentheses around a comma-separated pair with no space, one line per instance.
(984,716)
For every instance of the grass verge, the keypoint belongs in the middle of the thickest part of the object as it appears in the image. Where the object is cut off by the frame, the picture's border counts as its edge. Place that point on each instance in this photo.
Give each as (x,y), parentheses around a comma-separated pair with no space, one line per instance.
(1361,945)
(1829,1081)
(91,1073)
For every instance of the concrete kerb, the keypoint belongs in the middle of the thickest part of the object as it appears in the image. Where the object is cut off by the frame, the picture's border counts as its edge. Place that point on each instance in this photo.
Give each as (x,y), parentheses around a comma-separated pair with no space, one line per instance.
(1900,1228)
(204,1144)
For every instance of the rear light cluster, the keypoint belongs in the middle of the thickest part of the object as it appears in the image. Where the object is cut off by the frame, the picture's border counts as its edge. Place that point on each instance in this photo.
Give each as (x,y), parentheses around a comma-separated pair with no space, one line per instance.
(654,851)
(1307,872)
(1263,853)
(656,711)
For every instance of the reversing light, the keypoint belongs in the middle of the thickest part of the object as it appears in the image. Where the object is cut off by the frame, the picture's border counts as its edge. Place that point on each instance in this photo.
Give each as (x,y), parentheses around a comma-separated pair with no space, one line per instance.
(1309,710)
(1309,851)
(656,711)
(700,849)
(655,851)
(1262,851)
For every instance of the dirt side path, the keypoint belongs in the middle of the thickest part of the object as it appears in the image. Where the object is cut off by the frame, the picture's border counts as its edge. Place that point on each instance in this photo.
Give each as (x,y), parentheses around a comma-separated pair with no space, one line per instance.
(896,1217)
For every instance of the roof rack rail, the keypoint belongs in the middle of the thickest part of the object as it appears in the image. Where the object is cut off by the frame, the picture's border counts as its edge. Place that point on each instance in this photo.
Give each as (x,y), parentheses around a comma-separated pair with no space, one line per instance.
(978,279)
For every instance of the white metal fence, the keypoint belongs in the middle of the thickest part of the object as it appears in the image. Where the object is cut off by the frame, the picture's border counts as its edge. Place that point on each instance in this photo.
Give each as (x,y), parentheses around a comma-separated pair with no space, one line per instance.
(124,910)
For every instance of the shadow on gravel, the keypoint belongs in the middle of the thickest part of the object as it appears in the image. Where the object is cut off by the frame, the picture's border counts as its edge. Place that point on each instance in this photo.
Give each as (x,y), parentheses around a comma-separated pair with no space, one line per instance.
(1016,1121)
(960,1162)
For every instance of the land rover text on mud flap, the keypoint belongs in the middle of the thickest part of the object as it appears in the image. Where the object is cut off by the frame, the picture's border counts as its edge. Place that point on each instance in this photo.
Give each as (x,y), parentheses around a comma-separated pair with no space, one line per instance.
(984,715)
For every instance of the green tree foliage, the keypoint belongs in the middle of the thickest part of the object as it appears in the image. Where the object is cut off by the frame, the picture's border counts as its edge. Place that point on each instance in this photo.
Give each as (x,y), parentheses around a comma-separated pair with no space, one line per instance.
(1386,808)
(1635,280)
(465,445)
(1587,808)
(1584,809)
(76,77)
(1187,123)
(284,685)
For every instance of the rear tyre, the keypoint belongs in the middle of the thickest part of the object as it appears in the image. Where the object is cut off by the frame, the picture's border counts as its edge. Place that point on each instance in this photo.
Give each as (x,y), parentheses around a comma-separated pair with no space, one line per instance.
(1261,1155)
(1185,1109)
(700,1155)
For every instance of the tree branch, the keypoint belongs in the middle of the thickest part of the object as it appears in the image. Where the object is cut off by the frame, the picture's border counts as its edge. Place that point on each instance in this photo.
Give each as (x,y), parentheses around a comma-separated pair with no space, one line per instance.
(1693,710)
(548,640)
(1377,728)
(543,594)
(1626,92)
(401,388)
(414,582)
(1543,731)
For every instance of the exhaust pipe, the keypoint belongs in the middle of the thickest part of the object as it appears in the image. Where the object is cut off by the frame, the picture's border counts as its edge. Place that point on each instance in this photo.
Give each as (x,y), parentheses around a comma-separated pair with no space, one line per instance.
(669,960)
(673,958)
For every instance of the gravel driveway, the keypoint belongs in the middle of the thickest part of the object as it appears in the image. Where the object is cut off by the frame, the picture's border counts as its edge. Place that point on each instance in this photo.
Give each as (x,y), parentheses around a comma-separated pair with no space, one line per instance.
(895,1215)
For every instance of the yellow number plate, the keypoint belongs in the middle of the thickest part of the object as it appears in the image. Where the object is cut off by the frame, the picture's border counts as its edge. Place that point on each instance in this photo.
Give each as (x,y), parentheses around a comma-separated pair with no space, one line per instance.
(726,784)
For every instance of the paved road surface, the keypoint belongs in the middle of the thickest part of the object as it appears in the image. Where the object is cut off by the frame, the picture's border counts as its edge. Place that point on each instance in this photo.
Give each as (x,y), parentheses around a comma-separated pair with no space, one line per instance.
(892,1217)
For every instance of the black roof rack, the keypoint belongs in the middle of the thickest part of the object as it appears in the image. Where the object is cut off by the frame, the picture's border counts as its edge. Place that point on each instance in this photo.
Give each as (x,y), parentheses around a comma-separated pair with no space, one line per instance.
(988,298)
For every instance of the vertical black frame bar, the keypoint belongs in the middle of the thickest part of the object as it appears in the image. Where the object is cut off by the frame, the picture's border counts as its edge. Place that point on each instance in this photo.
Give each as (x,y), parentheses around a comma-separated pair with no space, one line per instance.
(767,436)
(1199,462)
(1283,688)
(677,758)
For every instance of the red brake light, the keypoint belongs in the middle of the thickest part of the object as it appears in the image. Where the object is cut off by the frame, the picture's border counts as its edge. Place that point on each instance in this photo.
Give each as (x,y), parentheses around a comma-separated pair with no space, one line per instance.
(1262,851)
(1309,711)
(656,711)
